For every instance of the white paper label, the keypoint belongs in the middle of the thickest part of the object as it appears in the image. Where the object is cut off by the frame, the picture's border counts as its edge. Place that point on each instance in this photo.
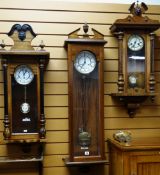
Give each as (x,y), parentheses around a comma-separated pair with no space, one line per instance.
(86,153)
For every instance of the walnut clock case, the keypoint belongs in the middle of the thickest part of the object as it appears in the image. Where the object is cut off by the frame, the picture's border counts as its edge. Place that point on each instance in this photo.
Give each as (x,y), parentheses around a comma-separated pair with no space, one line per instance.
(86,120)
(135,36)
(23,70)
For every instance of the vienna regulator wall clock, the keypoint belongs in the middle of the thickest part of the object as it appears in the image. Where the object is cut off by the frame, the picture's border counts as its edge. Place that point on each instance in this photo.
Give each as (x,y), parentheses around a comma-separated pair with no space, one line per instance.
(85,64)
(135,37)
(23,70)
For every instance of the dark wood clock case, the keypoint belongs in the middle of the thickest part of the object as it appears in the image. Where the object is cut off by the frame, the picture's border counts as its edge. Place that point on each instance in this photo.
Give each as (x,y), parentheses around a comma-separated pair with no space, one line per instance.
(18,126)
(134,62)
(86,120)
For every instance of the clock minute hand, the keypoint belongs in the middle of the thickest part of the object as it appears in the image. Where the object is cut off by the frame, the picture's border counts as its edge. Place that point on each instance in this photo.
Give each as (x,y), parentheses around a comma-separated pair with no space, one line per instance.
(83,62)
(134,44)
(24,72)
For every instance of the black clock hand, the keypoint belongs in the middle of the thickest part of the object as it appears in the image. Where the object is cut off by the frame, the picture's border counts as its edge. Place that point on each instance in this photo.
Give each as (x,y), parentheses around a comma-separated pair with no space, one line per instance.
(24,72)
(134,44)
(84,59)
(90,62)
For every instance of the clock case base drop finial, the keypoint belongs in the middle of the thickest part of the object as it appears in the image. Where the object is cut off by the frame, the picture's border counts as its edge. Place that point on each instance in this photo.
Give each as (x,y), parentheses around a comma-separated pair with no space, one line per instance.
(23,72)
(136,80)
(86,116)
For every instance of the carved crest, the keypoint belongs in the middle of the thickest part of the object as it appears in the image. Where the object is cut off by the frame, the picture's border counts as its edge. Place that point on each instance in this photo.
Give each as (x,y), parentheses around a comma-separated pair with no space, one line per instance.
(136,20)
(96,34)
(22,37)
(138,9)
(75,37)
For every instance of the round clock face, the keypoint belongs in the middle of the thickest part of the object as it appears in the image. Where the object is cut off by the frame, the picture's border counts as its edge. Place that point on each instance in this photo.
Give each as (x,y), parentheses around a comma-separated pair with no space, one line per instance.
(85,62)
(135,42)
(25,108)
(23,75)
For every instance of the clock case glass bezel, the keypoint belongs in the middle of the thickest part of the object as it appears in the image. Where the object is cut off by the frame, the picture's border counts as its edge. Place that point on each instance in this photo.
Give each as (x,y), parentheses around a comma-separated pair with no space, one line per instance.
(24,66)
(136,37)
(92,57)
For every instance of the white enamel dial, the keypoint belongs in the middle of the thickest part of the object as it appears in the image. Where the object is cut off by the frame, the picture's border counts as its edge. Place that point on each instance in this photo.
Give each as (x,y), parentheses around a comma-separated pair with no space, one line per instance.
(135,42)
(23,75)
(85,62)
(25,108)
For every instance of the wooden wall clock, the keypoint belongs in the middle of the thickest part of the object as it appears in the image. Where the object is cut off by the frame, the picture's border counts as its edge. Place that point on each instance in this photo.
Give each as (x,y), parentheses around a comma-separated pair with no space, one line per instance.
(23,70)
(85,64)
(135,37)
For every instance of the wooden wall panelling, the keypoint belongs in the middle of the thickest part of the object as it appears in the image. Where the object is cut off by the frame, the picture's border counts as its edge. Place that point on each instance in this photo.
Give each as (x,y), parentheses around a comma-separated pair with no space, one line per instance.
(56,76)
(53,21)
(56,112)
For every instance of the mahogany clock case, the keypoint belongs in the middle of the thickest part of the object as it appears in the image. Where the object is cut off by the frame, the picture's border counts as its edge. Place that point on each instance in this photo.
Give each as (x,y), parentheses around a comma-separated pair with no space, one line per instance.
(86,96)
(136,44)
(23,72)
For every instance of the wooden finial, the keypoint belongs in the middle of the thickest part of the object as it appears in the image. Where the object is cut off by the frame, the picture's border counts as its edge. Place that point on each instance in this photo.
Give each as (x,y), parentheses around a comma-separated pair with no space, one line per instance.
(42,45)
(85,28)
(2,45)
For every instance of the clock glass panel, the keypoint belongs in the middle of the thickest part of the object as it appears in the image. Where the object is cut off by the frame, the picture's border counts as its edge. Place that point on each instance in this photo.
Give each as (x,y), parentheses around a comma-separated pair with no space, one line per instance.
(136,61)
(86,111)
(25,112)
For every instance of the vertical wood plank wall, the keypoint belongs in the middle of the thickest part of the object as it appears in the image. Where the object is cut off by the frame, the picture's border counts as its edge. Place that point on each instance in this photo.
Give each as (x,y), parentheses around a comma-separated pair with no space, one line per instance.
(53,21)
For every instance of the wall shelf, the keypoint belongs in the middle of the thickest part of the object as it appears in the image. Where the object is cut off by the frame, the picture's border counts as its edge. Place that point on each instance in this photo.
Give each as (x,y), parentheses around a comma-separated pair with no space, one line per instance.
(84,163)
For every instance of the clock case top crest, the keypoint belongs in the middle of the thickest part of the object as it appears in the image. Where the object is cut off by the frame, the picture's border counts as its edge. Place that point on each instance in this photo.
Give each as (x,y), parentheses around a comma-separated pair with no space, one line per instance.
(23,73)
(86,116)
(136,79)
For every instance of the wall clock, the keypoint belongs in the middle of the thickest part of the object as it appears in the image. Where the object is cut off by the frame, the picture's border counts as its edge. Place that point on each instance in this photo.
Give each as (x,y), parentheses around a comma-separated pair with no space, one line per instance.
(136,80)
(85,66)
(23,70)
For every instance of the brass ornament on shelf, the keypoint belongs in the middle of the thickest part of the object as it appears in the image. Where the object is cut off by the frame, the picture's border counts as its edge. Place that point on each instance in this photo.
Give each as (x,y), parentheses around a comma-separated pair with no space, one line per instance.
(123,137)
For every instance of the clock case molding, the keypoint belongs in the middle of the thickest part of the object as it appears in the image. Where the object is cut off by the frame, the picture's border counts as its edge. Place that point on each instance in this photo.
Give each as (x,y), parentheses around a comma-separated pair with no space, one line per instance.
(144,26)
(22,53)
(94,43)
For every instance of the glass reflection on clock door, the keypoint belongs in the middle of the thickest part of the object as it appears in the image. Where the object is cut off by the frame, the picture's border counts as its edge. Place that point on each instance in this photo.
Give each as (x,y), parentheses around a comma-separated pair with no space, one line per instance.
(136,62)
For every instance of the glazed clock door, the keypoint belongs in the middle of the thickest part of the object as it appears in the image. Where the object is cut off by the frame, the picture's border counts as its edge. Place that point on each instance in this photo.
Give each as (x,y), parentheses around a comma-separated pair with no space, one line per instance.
(85,106)
(24,87)
(136,64)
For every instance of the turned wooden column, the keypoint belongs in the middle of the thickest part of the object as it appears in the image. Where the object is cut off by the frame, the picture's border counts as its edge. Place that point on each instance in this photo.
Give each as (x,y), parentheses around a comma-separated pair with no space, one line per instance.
(42,116)
(6,121)
(152,77)
(120,83)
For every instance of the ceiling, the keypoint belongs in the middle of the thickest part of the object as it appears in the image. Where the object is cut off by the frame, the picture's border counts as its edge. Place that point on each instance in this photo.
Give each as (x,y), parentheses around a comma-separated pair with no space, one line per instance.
(148,2)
